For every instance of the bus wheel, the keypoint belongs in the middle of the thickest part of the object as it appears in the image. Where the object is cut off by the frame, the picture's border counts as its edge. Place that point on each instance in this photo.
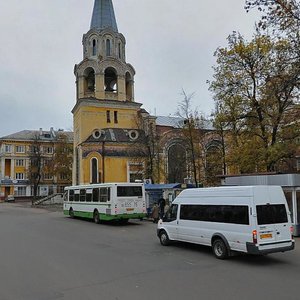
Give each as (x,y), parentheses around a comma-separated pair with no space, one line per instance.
(96,217)
(220,249)
(164,239)
(123,221)
(71,213)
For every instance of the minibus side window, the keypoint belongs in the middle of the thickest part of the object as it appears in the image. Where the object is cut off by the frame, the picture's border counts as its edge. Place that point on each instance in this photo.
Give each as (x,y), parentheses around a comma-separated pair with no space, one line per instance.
(231,214)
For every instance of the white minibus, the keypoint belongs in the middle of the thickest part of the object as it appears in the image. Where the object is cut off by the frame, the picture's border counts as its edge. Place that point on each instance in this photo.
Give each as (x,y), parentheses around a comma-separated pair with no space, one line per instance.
(250,219)
(106,201)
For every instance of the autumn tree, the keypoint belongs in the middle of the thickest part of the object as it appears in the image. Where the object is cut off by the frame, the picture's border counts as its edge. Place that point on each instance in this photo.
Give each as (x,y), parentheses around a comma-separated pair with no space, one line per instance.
(281,15)
(60,164)
(220,127)
(34,172)
(256,86)
(192,134)
(147,146)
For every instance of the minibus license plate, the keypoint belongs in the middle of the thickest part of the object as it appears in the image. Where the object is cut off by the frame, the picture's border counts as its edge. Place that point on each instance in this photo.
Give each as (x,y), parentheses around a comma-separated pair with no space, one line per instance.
(129,209)
(266,236)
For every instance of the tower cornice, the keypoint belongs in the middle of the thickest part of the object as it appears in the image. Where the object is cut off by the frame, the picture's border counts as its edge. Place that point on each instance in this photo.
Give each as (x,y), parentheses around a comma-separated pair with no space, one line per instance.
(93,102)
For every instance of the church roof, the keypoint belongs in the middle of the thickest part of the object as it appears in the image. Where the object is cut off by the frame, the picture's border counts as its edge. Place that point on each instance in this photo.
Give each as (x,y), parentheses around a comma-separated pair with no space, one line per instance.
(104,16)
(178,122)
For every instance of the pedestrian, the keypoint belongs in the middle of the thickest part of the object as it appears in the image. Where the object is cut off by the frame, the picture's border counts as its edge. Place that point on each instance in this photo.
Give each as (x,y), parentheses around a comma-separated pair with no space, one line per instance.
(161,204)
(167,206)
(155,213)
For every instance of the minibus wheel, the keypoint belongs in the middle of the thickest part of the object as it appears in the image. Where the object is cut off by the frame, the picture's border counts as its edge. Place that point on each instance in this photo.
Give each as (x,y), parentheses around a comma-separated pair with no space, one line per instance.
(96,217)
(164,239)
(220,249)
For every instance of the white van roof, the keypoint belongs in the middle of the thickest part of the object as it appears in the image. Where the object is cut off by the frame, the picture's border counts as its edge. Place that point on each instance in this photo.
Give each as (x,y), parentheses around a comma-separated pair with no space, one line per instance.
(232,191)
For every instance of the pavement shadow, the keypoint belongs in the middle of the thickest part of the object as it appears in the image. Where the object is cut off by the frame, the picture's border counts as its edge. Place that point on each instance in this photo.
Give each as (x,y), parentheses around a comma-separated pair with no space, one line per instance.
(237,257)
(110,223)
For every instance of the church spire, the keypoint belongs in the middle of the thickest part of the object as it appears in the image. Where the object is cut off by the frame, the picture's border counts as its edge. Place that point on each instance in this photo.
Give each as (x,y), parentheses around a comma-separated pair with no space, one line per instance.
(104,16)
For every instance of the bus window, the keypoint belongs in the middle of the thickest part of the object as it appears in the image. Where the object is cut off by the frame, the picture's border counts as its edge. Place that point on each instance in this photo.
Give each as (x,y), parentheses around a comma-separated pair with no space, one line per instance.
(129,191)
(71,195)
(82,195)
(95,195)
(88,195)
(104,194)
(76,195)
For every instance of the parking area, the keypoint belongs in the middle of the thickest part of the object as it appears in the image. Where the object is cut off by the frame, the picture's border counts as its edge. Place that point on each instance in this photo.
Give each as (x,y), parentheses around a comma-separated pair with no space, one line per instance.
(45,255)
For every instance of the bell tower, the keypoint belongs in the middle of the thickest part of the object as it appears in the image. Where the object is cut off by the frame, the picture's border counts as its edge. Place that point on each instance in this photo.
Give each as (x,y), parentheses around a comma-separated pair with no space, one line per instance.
(105,105)
(104,74)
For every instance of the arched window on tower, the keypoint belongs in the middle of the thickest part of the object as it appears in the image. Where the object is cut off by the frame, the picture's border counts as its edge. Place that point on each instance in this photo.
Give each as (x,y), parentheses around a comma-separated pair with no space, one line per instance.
(89,86)
(110,80)
(129,87)
(108,47)
(94,47)
(94,170)
(119,50)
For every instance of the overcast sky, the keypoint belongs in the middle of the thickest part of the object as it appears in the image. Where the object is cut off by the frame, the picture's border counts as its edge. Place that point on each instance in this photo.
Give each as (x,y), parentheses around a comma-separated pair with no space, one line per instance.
(169,43)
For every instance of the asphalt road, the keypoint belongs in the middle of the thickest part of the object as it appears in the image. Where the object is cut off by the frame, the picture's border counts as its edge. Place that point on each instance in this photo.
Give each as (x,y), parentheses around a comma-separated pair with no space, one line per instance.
(45,255)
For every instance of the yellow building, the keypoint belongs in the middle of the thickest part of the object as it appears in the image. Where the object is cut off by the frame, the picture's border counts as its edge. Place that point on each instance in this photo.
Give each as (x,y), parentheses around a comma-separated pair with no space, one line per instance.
(107,138)
(16,158)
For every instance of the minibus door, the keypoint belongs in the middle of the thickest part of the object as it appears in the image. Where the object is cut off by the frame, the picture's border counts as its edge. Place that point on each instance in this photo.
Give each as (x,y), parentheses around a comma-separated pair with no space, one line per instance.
(272,223)
(171,222)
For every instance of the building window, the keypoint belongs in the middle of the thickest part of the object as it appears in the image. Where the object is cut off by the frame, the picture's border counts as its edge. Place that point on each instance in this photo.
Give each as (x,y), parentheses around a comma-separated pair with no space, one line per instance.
(35,149)
(7,148)
(48,176)
(21,191)
(108,116)
(61,189)
(20,149)
(20,163)
(63,177)
(48,150)
(94,169)
(108,46)
(19,176)
(115,117)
